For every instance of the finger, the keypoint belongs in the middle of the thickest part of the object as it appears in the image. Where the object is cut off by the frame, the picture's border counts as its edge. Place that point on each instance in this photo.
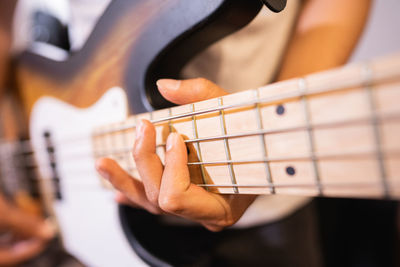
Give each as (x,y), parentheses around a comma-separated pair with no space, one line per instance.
(189,91)
(148,163)
(122,181)
(122,199)
(178,195)
(176,177)
(21,251)
(181,197)
(28,225)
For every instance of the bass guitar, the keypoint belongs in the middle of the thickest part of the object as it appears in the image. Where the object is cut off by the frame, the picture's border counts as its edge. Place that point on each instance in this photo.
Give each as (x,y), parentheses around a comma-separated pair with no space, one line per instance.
(132,45)
(328,134)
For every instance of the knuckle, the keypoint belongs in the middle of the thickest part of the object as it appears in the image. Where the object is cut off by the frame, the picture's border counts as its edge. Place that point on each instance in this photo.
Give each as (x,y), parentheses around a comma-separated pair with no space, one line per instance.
(226,223)
(152,197)
(220,225)
(215,228)
(201,83)
(170,203)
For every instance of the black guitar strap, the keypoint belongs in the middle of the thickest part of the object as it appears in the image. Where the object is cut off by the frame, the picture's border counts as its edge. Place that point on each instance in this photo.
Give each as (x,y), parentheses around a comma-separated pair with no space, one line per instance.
(275,5)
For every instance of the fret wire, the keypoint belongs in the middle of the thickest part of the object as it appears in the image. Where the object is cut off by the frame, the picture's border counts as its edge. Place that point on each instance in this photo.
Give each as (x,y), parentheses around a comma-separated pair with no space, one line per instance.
(307,116)
(226,144)
(102,144)
(375,121)
(262,139)
(94,139)
(126,143)
(170,120)
(132,161)
(112,143)
(196,136)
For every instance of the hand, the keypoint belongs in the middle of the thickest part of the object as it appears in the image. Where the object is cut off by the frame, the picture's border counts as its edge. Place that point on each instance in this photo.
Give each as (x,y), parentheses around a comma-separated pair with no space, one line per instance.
(168,189)
(22,236)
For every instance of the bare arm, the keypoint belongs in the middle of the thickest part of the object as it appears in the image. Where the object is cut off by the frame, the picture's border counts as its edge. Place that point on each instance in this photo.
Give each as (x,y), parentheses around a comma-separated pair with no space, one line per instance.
(325,36)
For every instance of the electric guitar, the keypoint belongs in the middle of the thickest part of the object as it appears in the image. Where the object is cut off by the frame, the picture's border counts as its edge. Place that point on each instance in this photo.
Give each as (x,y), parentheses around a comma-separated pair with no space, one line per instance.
(328,134)
(132,45)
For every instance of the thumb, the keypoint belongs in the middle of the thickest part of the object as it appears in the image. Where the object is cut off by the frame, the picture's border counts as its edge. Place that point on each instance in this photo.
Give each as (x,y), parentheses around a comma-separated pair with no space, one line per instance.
(189,91)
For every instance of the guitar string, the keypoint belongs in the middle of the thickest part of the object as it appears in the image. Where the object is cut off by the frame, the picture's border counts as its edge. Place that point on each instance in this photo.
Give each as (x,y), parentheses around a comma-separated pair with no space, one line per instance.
(360,155)
(26,145)
(265,101)
(78,156)
(351,84)
(260,101)
(348,155)
(393,182)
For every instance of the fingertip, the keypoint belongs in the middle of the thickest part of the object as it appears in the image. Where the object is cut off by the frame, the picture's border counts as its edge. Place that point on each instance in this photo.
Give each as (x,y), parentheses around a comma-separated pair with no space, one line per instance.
(174,139)
(172,90)
(168,84)
(102,167)
(119,198)
(176,150)
(142,125)
(170,141)
(47,230)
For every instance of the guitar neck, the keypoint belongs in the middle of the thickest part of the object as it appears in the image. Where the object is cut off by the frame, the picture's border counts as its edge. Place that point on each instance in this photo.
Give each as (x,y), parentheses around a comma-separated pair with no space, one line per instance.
(329,134)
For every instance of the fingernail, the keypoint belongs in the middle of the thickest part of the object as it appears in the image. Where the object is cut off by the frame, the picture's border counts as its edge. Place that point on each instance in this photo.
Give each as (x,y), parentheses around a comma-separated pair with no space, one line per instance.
(168,84)
(102,171)
(48,229)
(171,140)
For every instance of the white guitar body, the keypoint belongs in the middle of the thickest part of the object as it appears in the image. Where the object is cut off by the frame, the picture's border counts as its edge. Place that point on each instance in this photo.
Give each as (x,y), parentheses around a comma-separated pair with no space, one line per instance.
(87,213)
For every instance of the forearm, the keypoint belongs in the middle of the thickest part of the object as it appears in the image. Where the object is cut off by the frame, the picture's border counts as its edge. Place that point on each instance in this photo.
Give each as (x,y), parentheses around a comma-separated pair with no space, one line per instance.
(325,36)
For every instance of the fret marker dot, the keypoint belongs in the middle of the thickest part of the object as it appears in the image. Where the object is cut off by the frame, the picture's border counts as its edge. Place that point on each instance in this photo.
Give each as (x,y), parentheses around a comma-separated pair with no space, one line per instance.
(280,109)
(290,171)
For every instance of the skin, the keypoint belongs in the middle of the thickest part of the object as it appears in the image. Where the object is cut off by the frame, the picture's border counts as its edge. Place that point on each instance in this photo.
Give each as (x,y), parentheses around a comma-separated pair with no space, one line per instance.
(28,234)
(325,35)
(168,189)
